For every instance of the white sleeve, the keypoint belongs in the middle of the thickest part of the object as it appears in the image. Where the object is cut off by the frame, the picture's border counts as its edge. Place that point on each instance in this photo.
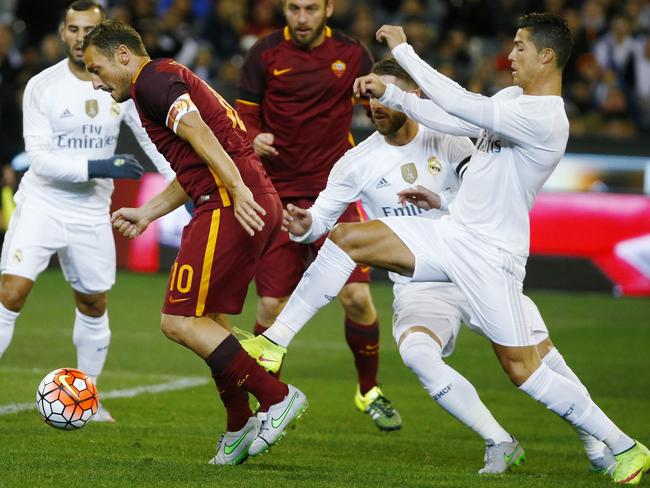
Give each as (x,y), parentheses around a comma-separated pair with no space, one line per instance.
(458,151)
(132,119)
(341,190)
(426,112)
(38,135)
(507,117)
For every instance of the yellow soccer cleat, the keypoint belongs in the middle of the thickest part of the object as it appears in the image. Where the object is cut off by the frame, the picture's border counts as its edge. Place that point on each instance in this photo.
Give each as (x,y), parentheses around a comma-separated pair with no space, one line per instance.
(267,354)
(631,464)
(375,404)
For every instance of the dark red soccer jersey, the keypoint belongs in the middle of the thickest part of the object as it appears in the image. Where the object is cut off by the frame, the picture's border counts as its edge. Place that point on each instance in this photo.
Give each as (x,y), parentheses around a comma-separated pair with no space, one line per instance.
(305,99)
(154,90)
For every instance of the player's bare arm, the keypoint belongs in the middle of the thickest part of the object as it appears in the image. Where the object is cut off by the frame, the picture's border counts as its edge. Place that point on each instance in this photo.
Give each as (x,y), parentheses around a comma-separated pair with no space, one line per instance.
(420,197)
(296,220)
(194,130)
(131,222)
(393,35)
(263,144)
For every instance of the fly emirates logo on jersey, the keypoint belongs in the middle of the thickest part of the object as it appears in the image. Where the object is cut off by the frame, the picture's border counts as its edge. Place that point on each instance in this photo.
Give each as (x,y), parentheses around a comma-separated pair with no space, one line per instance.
(91,137)
(409,210)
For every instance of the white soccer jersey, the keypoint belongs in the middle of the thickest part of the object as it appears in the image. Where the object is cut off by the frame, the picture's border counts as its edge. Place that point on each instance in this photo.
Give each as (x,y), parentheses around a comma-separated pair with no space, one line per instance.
(521,139)
(65,123)
(375,171)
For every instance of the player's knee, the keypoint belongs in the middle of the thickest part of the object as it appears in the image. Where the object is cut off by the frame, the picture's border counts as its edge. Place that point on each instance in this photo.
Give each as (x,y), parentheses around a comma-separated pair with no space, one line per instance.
(268,308)
(174,327)
(93,305)
(518,370)
(357,302)
(13,298)
(343,235)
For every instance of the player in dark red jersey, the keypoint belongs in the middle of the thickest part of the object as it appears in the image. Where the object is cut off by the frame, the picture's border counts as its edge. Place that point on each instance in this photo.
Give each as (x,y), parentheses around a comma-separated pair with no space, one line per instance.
(205,141)
(296,100)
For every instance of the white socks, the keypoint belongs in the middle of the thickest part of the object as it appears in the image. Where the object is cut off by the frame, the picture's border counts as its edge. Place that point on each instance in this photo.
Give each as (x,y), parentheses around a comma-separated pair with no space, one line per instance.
(320,284)
(593,447)
(422,355)
(7,322)
(92,336)
(570,402)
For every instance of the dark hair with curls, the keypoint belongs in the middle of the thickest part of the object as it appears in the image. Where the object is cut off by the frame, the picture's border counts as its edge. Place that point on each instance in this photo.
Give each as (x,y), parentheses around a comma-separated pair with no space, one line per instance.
(549,31)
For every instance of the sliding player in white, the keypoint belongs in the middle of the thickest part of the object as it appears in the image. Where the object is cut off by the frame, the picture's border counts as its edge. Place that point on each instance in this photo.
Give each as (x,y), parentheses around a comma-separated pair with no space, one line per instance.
(62,203)
(483,245)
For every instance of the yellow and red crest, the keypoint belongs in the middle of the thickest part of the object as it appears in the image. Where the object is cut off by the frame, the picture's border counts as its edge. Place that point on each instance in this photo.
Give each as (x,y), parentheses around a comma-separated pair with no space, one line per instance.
(338,68)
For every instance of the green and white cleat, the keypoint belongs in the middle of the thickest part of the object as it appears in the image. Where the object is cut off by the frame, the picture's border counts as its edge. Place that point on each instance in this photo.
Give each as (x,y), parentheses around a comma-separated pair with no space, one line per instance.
(274,423)
(631,464)
(267,354)
(380,409)
(603,465)
(499,457)
(233,447)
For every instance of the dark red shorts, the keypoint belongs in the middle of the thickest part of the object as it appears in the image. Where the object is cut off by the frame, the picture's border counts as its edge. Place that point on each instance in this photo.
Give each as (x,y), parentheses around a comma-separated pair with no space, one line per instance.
(281,268)
(217,261)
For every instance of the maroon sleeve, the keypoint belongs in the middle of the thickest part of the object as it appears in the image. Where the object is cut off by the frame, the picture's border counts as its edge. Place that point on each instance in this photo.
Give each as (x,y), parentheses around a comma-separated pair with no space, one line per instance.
(156,90)
(252,82)
(251,114)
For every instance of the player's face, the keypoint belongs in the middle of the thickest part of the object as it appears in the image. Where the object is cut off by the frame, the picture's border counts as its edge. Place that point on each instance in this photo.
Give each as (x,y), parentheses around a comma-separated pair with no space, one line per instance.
(387,121)
(108,74)
(76,26)
(306,20)
(524,58)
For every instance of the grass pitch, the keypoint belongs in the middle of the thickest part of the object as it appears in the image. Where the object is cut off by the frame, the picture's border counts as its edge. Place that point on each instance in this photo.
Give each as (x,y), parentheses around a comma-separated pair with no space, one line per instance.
(165,438)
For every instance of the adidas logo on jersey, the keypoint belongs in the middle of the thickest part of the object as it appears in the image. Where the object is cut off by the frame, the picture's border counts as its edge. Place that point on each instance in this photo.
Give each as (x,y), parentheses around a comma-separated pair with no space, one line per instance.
(383,183)
(66,113)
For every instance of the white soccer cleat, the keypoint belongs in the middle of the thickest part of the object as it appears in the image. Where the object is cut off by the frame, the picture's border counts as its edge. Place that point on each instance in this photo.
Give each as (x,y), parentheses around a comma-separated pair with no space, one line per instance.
(233,447)
(604,464)
(499,457)
(279,416)
(102,415)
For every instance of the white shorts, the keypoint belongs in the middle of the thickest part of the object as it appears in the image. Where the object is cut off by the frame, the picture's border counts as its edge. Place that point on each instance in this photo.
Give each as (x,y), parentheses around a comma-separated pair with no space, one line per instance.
(490,279)
(441,308)
(86,250)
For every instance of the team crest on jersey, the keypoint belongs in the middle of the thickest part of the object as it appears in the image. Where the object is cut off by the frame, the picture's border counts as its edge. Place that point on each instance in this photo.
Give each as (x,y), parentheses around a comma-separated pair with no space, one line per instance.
(92,108)
(434,165)
(115,109)
(18,256)
(338,68)
(409,172)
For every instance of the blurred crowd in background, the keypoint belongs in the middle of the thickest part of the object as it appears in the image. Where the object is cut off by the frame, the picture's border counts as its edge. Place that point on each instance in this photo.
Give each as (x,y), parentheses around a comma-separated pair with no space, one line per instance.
(607,80)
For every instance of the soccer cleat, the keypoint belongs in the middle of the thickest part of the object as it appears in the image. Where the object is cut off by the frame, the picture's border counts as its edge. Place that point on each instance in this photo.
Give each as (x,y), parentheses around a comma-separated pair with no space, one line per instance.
(631,464)
(233,447)
(273,424)
(499,457)
(375,404)
(267,354)
(102,415)
(604,464)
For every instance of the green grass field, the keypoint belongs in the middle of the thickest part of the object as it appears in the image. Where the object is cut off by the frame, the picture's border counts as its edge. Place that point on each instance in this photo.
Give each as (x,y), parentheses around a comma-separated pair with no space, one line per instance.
(165,438)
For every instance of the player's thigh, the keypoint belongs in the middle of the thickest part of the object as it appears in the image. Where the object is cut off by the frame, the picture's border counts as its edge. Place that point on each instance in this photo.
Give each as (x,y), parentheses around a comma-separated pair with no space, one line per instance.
(88,261)
(217,260)
(432,306)
(31,239)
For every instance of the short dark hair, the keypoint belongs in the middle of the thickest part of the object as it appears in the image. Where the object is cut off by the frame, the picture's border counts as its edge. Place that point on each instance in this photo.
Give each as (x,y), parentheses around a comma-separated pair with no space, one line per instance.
(390,67)
(82,6)
(549,31)
(110,34)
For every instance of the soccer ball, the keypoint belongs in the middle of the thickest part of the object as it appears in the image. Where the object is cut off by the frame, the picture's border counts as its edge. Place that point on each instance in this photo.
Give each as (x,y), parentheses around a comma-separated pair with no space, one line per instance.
(67,398)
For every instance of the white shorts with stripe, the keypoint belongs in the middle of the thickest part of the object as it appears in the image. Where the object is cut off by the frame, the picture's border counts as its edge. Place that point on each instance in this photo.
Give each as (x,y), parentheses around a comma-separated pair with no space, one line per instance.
(489,279)
(86,250)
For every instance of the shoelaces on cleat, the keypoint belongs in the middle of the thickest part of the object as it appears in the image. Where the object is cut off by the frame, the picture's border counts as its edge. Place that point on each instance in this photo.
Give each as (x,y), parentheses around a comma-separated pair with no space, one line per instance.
(381,406)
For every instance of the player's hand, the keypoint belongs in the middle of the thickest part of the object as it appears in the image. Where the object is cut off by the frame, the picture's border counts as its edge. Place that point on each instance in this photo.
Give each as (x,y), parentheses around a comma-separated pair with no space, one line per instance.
(118,166)
(263,144)
(296,220)
(247,211)
(369,86)
(393,35)
(130,222)
(420,197)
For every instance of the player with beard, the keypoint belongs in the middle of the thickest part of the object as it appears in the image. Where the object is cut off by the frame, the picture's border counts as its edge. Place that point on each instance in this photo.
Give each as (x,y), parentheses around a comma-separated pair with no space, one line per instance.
(295,97)
(62,203)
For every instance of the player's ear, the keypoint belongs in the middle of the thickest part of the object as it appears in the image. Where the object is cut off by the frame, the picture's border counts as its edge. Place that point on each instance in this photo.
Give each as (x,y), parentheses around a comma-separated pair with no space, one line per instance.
(61,29)
(329,8)
(123,54)
(546,55)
